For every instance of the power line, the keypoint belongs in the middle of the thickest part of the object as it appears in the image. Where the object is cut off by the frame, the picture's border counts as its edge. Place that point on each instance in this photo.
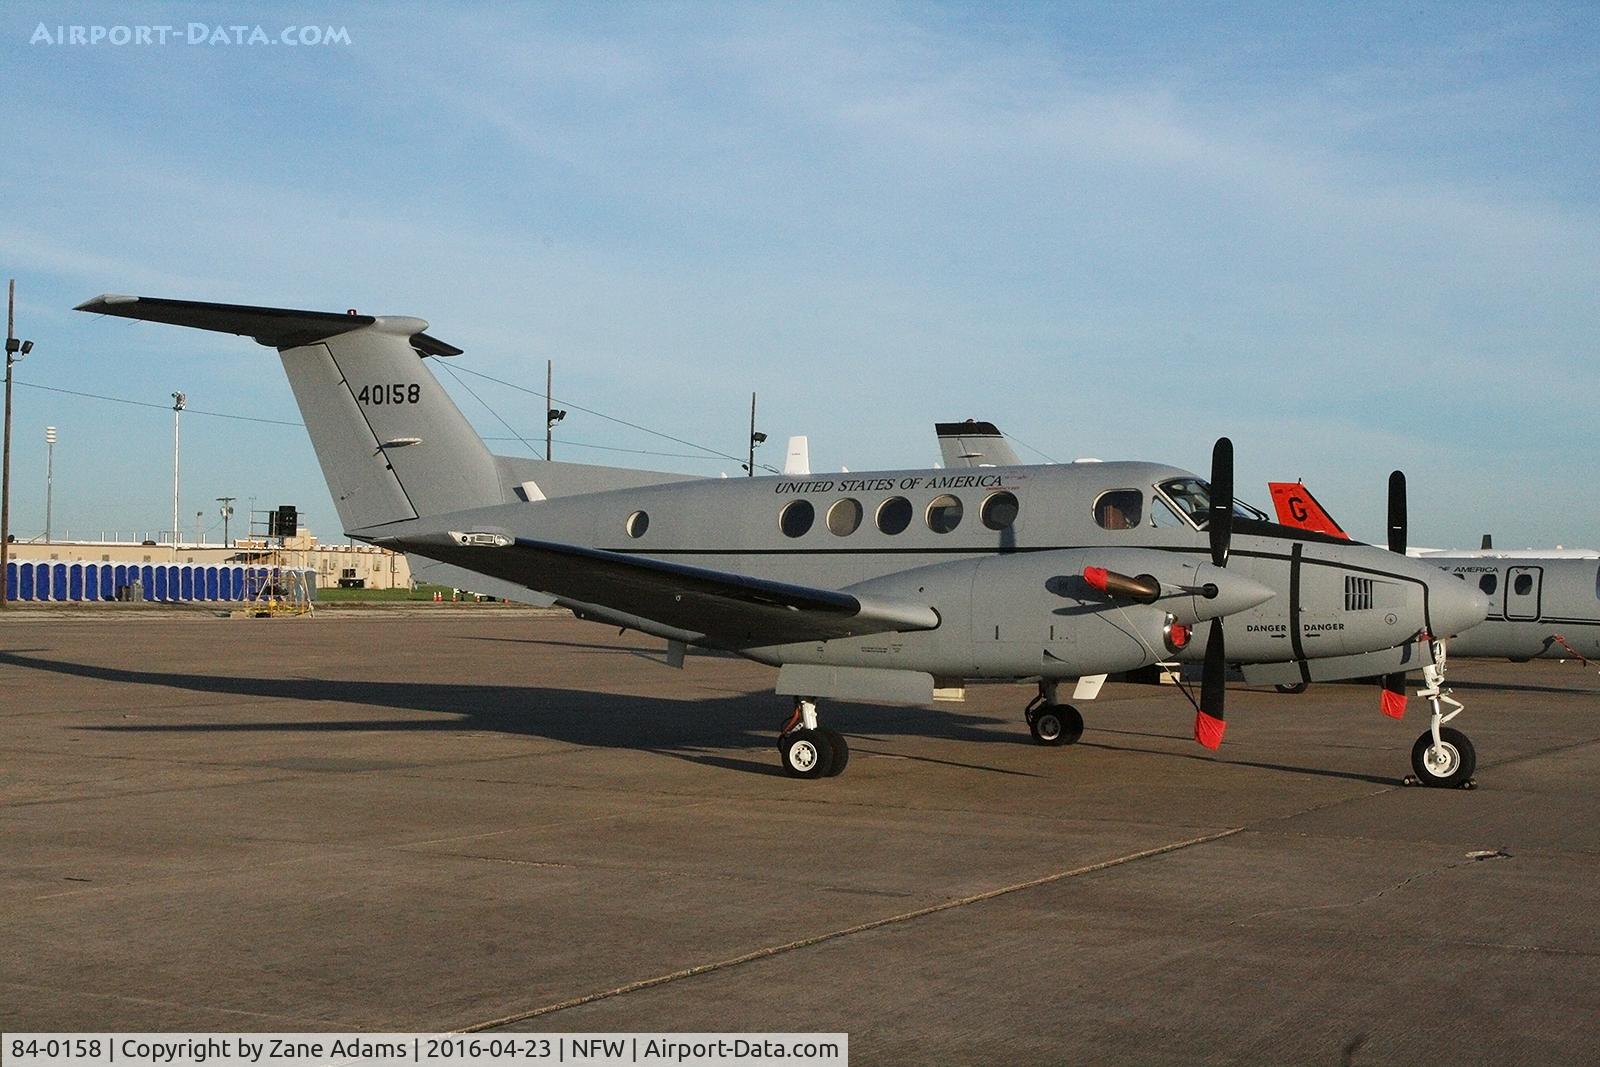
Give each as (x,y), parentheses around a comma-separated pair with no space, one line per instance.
(453,373)
(161,407)
(608,418)
(487,408)
(1030,448)
(611,448)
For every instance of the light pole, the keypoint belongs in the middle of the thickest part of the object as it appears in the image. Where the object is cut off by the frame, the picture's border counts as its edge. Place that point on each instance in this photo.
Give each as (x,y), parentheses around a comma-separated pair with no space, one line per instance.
(756,438)
(15,350)
(551,415)
(49,476)
(227,513)
(179,401)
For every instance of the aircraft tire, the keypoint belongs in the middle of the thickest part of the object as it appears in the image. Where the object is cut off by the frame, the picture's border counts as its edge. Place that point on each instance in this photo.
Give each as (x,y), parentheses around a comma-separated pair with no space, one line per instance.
(841,751)
(1293,690)
(1056,724)
(1450,768)
(806,754)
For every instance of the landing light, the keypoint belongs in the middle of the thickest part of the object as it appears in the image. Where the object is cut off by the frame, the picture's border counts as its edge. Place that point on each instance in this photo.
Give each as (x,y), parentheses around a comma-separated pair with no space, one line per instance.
(480,539)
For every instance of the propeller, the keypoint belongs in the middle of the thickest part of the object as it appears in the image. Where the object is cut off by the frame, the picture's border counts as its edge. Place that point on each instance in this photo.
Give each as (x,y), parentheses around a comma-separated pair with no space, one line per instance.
(1220,524)
(1209,716)
(1392,702)
(1397,512)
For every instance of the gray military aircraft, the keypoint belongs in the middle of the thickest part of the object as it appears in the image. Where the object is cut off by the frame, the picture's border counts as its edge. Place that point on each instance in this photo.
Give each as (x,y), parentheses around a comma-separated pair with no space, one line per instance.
(877,586)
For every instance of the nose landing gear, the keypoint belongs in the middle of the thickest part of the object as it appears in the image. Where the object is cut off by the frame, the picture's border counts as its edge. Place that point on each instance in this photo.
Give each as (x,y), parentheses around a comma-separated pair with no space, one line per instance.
(1443,757)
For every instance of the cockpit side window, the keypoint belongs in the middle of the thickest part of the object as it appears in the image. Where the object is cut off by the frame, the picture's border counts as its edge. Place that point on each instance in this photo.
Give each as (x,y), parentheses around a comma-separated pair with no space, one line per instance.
(1119,509)
(1162,517)
(1192,497)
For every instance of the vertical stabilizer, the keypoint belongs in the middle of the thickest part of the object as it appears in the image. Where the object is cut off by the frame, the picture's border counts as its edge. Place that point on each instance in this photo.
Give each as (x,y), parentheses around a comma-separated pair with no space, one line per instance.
(391,442)
(974,444)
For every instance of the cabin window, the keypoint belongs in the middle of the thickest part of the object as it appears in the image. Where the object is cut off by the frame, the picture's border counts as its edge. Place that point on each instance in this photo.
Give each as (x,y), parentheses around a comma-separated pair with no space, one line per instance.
(844,518)
(943,514)
(894,515)
(1489,583)
(797,518)
(1120,509)
(638,523)
(1000,510)
(1523,584)
(1597,583)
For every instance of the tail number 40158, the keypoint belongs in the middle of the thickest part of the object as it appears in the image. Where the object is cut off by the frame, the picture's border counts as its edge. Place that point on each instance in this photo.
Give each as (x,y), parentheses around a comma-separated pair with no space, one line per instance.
(398,393)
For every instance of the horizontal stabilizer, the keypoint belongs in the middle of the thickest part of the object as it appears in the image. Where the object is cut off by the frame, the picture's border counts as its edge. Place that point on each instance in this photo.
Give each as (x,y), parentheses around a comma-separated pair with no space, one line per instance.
(273,327)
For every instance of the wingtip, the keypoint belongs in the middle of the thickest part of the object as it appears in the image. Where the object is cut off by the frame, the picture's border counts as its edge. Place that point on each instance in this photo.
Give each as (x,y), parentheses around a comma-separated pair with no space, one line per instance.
(105,300)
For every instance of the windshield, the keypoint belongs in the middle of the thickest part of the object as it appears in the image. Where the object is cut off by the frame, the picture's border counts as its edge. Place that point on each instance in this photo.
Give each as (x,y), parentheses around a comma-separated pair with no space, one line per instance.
(1192,497)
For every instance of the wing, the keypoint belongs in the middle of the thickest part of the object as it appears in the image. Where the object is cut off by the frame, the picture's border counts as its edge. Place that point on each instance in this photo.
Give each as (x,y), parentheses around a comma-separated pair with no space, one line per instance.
(728,610)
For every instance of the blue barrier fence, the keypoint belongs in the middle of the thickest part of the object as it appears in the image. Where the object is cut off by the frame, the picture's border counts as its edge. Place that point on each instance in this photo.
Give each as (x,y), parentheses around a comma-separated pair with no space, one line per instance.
(166,582)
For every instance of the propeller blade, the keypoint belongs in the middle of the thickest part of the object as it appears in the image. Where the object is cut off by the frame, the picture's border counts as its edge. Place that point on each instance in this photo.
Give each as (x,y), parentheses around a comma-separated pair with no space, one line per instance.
(1393,700)
(1208,721)
(1145,588)
(1397,512)
(1220,523)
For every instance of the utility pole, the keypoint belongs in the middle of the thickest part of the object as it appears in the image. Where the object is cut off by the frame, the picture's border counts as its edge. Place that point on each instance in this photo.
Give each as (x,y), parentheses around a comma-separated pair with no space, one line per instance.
(5,488)
(49,476)
(756,438)
(551,415)
(227,513)
(15,350)
(179,401)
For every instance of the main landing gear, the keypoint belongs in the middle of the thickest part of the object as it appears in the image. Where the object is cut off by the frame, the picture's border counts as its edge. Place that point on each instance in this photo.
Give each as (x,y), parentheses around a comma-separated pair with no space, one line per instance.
(1052,723)
(1443,757)
(808,749)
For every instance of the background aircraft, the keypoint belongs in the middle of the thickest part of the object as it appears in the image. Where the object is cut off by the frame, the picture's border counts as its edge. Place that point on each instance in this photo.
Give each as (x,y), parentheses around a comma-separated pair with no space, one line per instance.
(878,586)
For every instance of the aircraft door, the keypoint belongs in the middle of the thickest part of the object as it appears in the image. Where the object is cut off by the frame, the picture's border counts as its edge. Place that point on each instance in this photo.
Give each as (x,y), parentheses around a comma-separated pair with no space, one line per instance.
(1523,589)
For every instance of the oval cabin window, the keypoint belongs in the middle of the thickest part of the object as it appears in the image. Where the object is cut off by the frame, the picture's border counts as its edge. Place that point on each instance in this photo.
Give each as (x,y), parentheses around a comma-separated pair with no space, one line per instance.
(944,514)
(797,517)
(999,510)
(894,515)
(844,517)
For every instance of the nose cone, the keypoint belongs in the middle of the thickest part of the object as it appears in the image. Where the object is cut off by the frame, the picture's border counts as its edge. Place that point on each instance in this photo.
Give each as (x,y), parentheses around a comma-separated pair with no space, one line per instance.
(1234,592)
(1453,605)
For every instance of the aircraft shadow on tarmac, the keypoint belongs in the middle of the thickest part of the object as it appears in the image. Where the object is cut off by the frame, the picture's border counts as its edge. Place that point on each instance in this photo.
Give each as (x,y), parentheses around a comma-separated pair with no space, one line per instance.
(682,729)
(604,720)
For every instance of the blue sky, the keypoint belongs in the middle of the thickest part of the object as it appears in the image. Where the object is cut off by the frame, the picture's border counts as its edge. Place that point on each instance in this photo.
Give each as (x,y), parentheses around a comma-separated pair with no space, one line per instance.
(1352,237)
